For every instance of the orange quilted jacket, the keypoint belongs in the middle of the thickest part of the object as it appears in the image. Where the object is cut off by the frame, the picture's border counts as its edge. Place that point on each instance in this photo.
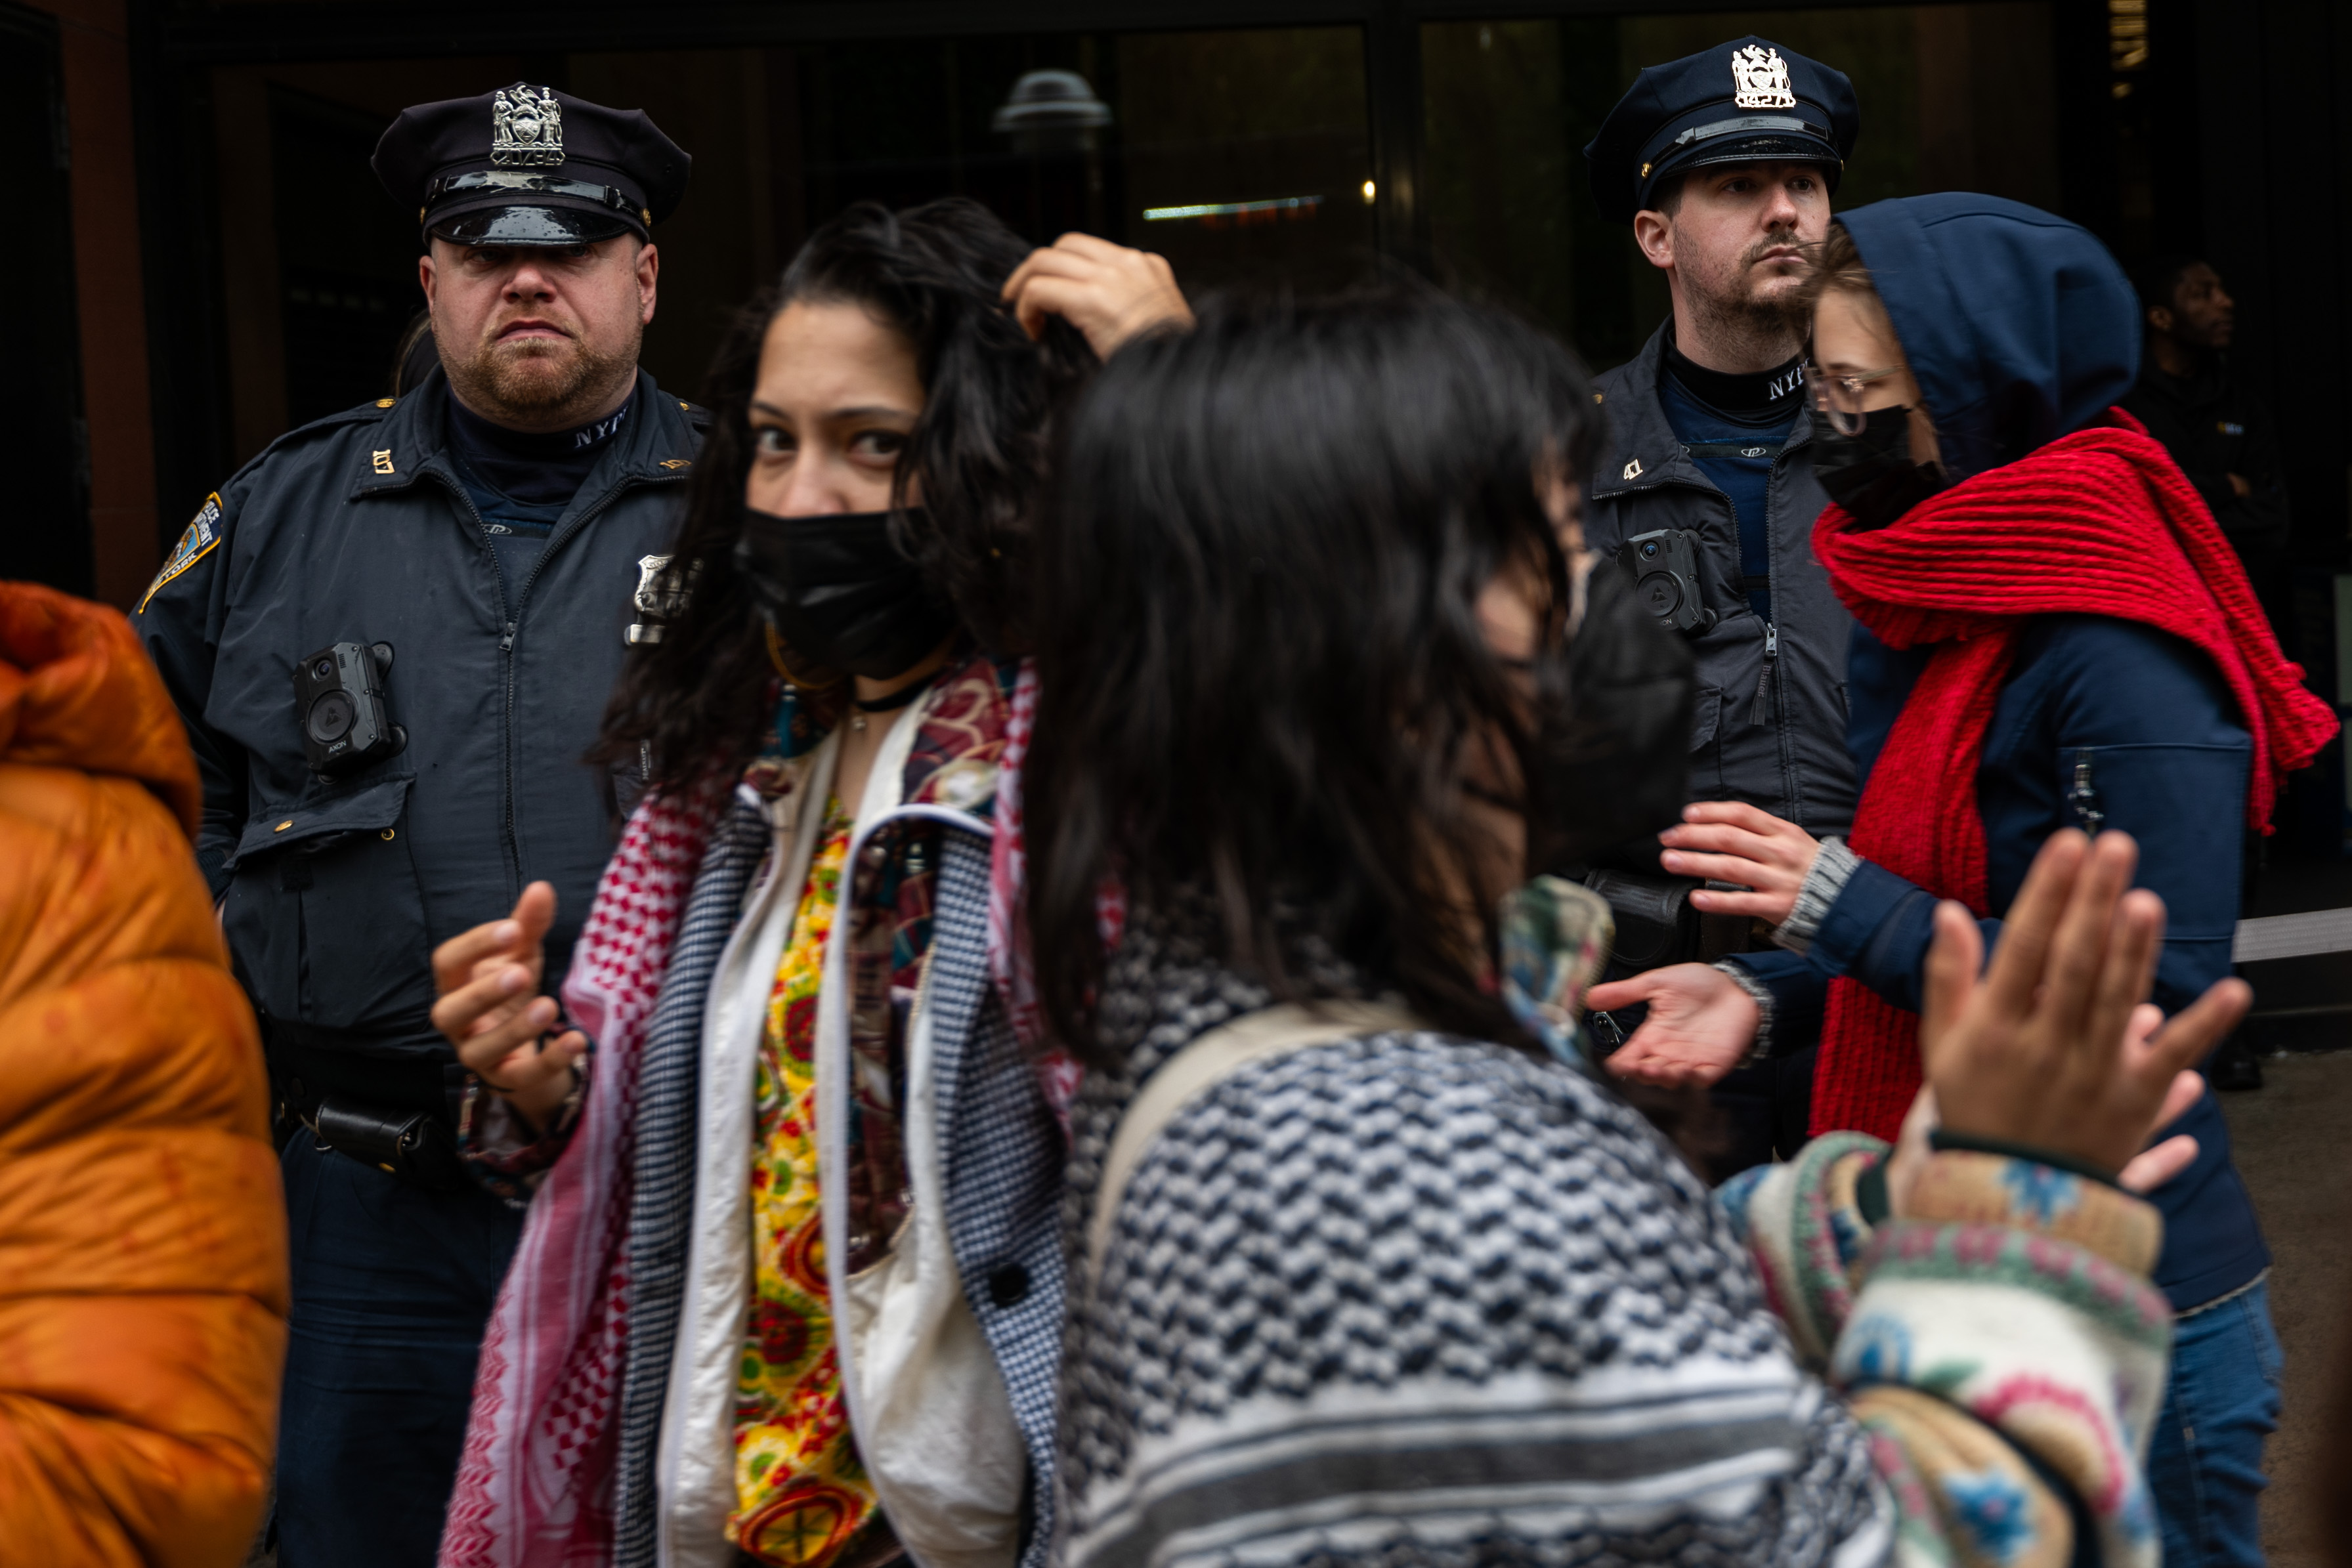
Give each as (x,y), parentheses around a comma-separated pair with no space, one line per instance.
(142,1232)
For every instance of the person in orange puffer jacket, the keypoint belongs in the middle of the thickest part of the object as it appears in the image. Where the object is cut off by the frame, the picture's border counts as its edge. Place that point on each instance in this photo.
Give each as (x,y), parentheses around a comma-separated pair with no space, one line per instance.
(142,1233)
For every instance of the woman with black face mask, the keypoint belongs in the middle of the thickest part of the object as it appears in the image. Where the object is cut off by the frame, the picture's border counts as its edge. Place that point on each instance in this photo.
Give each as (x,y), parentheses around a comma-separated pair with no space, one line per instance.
(2051,632)
(781,1326)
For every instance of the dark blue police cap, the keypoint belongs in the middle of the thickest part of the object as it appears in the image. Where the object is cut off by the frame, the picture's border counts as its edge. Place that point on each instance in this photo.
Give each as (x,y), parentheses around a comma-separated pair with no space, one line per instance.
(529,165)
(1745,101)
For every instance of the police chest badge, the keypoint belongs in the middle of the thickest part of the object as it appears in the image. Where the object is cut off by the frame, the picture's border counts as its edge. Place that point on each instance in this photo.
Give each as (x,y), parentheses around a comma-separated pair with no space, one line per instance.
(195,544)
(526,127)
(655,600)
(1760,79)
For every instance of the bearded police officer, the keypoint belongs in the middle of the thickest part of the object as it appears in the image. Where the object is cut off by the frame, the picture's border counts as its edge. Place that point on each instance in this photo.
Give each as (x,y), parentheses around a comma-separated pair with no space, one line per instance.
(1724,163)
(391,636)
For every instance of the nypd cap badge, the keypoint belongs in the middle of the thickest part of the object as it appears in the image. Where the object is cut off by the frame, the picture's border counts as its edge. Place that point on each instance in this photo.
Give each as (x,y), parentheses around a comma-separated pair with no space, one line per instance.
(527,127)
(1760,79)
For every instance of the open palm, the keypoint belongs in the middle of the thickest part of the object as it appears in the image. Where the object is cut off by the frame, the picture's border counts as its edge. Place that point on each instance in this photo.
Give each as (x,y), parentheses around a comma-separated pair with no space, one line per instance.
(1700,1025)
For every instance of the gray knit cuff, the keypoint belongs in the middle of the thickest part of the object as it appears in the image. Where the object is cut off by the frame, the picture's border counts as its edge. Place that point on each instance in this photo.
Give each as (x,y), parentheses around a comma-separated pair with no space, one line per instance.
(1762,1048)
(1833,867)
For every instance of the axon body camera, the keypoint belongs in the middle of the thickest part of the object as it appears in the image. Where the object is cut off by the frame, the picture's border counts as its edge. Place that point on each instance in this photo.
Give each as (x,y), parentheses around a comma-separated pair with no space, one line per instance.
(1665,566)
(339,703)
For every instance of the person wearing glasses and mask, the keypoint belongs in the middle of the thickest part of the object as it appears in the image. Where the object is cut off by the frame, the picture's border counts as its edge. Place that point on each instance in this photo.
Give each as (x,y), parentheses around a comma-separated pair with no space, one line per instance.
(2051,632)
(1723,163)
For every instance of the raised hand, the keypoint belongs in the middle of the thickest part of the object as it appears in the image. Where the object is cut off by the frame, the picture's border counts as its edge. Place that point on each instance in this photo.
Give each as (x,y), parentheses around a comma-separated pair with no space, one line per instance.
(492,1012)
(1106,292)
(1700,1025)
(1726,841)
(2051,1048)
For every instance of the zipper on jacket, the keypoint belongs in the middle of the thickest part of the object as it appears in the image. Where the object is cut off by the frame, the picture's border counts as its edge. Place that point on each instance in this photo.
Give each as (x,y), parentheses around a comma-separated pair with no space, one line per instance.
(2082,796)
(572,531)
(1777,718)
(1757,711)
(457,487)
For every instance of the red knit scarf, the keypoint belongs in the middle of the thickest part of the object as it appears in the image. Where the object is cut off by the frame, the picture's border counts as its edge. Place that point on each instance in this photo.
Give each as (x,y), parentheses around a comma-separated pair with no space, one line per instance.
(2101,522)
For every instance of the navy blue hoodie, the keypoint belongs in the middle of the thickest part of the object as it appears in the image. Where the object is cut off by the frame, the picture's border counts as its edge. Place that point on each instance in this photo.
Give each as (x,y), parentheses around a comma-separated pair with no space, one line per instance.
(2021,328)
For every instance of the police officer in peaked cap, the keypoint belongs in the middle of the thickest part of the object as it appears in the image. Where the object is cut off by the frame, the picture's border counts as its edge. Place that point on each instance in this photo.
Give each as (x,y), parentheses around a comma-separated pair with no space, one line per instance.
(1724,164)
(391,635)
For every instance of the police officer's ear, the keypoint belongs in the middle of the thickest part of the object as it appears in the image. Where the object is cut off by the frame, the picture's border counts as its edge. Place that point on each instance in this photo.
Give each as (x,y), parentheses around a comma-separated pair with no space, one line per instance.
(1654,225)
(648,275)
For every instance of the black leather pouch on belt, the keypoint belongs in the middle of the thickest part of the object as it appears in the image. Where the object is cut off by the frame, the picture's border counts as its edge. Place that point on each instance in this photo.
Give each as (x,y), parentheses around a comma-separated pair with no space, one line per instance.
(392,1113)
(412,1144)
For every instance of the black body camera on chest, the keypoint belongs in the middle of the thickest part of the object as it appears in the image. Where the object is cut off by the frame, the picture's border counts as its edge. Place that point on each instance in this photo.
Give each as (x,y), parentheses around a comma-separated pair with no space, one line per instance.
(339,703)
(1664,565)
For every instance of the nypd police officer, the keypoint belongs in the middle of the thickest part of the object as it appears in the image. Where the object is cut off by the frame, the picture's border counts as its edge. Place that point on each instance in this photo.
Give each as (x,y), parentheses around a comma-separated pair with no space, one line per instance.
(391,636)
(1724,163)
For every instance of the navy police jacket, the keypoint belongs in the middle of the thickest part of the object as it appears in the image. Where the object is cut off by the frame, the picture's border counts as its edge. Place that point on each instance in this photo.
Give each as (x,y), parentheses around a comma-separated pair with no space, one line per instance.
(356,529)
(2102,724)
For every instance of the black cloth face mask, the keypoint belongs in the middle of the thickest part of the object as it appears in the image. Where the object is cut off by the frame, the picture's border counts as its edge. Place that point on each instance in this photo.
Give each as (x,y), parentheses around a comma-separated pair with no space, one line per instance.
(1871,474)
(839,593)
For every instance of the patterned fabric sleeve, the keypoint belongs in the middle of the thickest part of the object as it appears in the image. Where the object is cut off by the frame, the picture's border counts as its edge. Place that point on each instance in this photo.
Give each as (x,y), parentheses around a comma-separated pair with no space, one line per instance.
(2000,1333)
(504,1153)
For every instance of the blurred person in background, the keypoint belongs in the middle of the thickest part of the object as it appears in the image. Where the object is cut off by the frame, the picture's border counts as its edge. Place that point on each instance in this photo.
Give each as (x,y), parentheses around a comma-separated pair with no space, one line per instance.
(392,636)
(2223,438)
(2051,632)
(1369,1266)
(827,1073)
(1724,164)
(2226,445)
(143,1231)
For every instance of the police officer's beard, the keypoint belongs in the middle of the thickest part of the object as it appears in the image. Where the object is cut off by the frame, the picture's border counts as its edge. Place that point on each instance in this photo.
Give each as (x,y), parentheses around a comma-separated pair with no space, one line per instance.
(534,382)
(1741,314)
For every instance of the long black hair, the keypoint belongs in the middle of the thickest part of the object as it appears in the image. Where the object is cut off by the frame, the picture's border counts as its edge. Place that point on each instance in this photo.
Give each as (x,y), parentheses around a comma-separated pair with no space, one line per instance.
(697,703)
(1262,675)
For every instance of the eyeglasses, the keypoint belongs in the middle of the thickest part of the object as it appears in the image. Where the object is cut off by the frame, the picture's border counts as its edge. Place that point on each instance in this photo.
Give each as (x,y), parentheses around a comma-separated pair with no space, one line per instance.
(1840,397)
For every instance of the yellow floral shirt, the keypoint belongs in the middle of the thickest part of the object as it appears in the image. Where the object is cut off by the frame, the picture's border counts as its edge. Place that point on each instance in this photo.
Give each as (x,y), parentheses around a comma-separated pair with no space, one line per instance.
(801,1493)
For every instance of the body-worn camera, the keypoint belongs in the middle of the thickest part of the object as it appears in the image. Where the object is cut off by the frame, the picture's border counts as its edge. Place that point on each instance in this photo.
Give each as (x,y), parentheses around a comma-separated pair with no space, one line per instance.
(1664,564)
(339,701)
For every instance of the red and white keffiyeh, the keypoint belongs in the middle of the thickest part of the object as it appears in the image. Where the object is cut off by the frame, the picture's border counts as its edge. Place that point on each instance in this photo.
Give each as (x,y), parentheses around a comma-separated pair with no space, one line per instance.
(534,1483)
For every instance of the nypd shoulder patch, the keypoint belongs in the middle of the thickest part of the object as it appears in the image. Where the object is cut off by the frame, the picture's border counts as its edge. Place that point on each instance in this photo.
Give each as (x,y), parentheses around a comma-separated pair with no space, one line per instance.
(201,535)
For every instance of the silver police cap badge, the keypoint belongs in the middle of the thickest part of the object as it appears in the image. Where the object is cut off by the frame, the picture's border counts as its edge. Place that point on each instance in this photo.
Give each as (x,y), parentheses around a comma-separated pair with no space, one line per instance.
(1760,79)
(526,127)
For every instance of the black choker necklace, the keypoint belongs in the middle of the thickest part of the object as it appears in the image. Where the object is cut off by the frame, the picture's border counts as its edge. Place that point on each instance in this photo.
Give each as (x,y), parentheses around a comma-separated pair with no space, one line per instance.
(891,703)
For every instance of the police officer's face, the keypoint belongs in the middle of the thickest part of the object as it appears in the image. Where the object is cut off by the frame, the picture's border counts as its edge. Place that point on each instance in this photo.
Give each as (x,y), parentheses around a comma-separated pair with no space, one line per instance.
(1733,238)
(838,394)
(540,337)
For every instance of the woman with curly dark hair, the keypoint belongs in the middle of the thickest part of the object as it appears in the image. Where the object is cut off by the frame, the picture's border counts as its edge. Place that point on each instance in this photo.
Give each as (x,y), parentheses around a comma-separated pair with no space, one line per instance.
(785,968)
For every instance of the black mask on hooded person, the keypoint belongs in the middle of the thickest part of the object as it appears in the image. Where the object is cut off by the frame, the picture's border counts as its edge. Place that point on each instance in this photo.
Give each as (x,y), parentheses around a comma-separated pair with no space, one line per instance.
(1871,474)
(837,592)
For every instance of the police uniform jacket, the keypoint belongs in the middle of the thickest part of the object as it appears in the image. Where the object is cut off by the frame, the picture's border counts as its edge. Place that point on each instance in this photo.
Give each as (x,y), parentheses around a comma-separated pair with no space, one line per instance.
(1769,723)
(357,529)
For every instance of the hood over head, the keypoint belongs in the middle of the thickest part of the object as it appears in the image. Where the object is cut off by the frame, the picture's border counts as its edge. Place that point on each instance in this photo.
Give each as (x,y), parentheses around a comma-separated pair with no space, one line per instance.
(77,691)
(2019,325)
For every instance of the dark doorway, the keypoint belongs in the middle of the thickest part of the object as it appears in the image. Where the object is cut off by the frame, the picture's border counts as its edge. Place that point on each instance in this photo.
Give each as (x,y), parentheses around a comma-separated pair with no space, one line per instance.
(346,257)
(42,433)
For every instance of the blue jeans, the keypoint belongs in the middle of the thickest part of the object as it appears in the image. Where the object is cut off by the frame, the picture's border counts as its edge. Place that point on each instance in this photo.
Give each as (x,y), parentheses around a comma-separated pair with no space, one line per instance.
(393,1284)
(2206,1463)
